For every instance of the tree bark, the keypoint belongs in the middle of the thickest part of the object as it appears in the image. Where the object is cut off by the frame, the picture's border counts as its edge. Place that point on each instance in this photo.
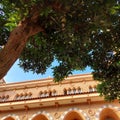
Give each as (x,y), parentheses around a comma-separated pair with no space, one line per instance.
(16,42)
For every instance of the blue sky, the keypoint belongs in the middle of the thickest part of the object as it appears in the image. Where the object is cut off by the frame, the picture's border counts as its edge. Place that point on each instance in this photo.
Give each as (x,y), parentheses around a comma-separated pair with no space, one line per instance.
(16,74)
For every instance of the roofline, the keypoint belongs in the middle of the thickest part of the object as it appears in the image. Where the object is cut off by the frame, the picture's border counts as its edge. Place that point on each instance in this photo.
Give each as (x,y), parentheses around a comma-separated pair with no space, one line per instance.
(51,79)
(44,82)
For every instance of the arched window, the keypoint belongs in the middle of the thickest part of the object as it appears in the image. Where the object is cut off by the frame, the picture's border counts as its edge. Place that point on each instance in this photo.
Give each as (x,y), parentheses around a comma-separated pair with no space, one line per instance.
(22,96)
(69,91)
(26,96)
(109,118)
(91,89)
(7,96)
(30,94)
(4,97)
(73,115)
(45,93)
(50,93)
(108,114)
(17,96)
(79,90)
(74,91)
(95,88)
(54,93)
(41,94)
(40,117)
(9,118)
(65,91)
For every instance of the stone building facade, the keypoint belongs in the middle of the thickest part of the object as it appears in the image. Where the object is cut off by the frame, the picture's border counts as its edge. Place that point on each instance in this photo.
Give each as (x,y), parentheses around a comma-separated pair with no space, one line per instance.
(75,98)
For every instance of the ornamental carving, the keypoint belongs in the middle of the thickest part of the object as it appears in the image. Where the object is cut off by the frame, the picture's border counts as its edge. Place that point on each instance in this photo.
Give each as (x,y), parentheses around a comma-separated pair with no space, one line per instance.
(91,112)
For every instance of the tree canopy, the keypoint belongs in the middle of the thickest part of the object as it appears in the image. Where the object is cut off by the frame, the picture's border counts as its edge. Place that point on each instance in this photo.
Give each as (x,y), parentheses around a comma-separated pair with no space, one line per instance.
(76,33)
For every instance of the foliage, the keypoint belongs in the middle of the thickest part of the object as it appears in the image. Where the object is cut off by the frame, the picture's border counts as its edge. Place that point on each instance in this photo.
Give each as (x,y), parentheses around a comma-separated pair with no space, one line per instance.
(77,33)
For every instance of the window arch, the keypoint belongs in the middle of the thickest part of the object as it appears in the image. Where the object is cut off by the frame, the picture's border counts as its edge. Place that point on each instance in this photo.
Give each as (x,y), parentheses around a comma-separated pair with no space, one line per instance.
(74,90)
(40,117)
(42,94)
(25,94)
(108,114)
(17,96)
(95,88)
(54,93)
(65,91)
(9,118)
(4,97)
(30,94)
(73,115)
(69,91)
(22,96)
(45,93)
(50,93)
(91,89)
(81,115)
(79,90)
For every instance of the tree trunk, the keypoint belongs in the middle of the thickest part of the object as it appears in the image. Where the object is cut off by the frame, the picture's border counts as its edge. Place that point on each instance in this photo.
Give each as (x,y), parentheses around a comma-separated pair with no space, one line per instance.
(16,42)
(19,37)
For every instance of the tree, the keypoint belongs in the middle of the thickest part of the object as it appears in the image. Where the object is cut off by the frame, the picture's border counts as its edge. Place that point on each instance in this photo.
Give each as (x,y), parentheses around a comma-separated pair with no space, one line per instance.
(76,33)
